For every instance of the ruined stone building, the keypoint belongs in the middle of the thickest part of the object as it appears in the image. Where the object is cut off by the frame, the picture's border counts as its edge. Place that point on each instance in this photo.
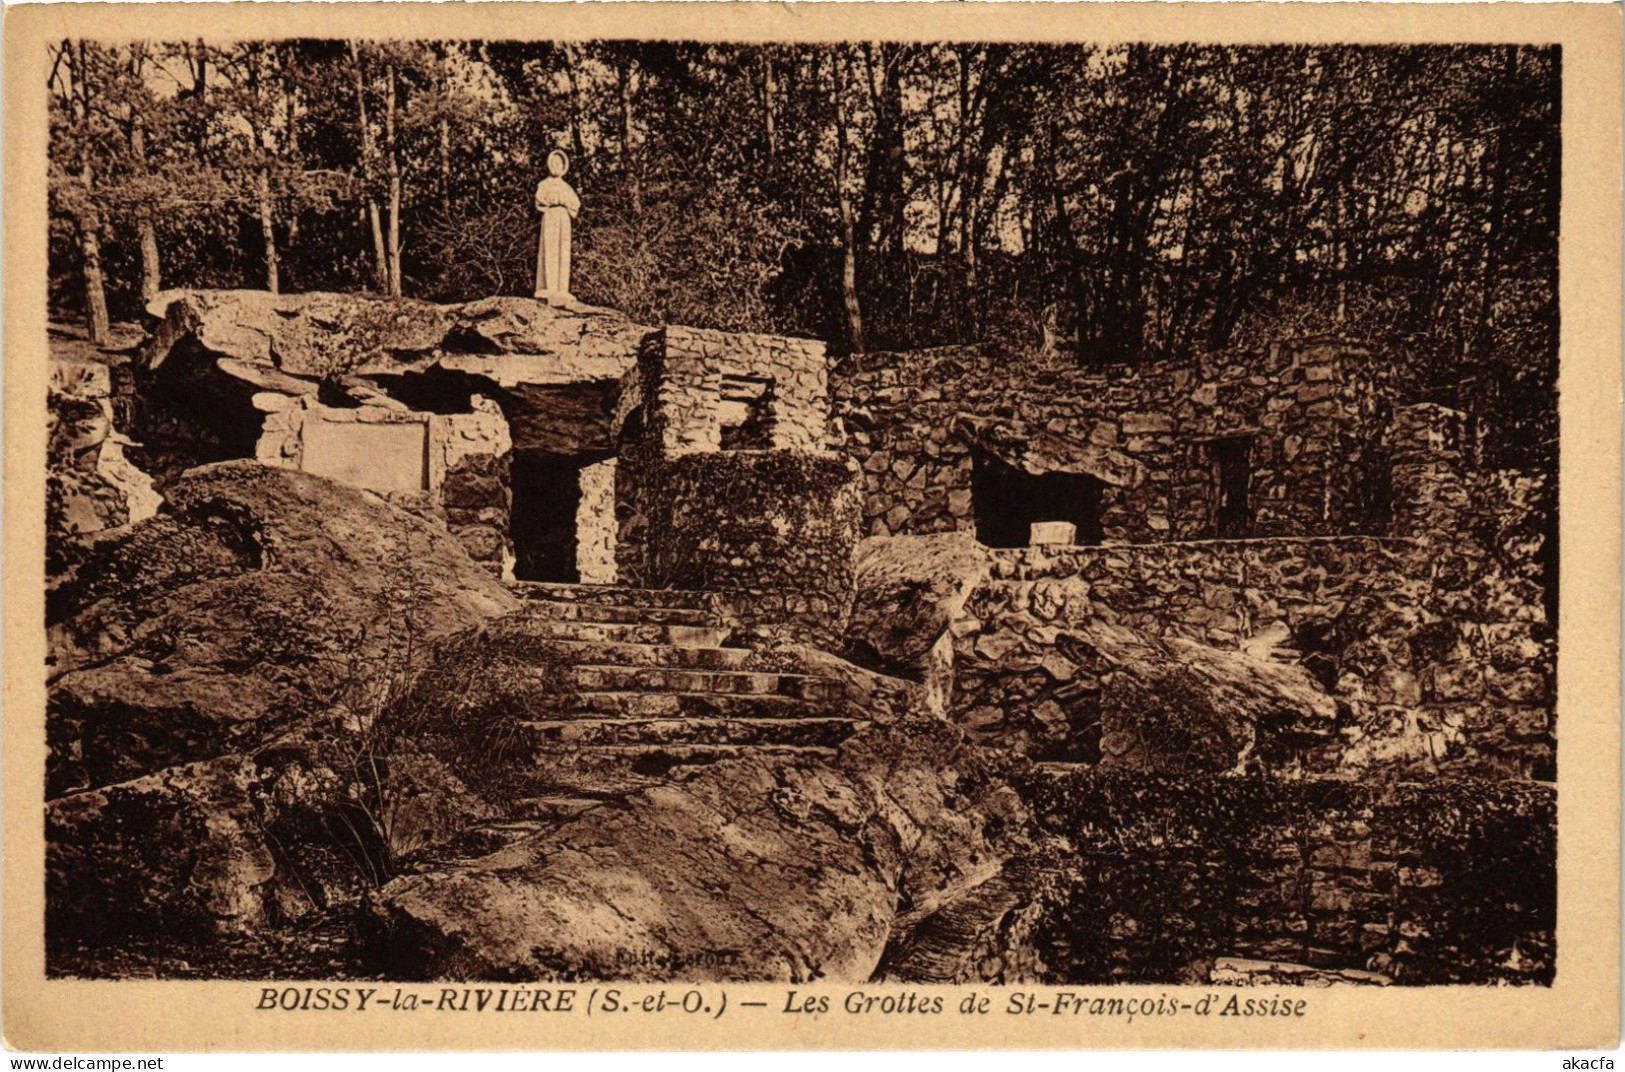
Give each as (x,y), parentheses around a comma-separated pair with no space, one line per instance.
(1242,500)
(1261,501)
(730,545)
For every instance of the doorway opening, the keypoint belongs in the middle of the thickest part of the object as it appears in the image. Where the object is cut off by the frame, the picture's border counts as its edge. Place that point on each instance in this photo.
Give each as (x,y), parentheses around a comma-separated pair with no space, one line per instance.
(1232,487)
(545,516)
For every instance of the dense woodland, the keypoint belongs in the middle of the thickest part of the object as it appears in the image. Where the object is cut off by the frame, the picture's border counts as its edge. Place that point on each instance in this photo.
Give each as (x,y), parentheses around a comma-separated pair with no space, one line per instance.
(1096,204)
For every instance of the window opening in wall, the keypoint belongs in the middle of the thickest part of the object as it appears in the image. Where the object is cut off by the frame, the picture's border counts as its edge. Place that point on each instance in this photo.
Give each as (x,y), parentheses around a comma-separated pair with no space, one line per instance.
(745,413)
(1008,501)
(1232,485)
(1374,497)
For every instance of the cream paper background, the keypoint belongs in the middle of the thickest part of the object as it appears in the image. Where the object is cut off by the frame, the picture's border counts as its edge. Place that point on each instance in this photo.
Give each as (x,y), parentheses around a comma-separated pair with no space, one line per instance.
(1581,1009)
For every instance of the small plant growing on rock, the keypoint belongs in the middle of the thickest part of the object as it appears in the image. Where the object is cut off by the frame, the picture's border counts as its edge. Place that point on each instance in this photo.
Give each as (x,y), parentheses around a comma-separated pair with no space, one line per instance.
(402,792)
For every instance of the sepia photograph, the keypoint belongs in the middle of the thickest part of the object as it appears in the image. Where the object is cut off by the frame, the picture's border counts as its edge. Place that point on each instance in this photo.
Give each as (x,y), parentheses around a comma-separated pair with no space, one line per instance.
(865,515)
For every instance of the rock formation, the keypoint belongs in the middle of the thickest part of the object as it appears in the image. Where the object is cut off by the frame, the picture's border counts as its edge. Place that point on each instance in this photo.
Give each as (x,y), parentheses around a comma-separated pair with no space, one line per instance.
(213,673)
(1003,739)
(747,870)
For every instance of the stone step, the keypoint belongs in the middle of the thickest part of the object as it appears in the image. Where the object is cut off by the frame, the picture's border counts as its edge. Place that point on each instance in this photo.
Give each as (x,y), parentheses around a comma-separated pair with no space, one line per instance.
(601,732)
(624,653)
(614,770)
(604,678)
(477,842)
(548,610)
(690,705)
(554,809)
(682,636)
(609,595)
(702,753)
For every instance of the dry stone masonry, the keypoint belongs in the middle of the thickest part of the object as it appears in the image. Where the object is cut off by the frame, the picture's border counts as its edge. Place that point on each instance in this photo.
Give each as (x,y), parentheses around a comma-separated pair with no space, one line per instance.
(92,486)
(1142,453)
(447,464)
(1444,882)
(1280,504)
(1244,615)
(726,482)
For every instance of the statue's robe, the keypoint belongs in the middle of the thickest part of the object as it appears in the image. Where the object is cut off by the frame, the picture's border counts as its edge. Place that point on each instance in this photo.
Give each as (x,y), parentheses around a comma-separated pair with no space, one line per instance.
(558,204)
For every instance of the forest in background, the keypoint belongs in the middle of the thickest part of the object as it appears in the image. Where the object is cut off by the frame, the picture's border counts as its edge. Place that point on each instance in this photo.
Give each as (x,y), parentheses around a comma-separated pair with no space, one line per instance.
(1098,204)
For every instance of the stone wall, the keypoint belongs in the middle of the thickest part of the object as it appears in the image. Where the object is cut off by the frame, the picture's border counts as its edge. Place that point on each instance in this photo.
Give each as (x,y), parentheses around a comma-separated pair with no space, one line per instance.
(450,466)
(774,529)
(1433,448)
(1448,882)
(1313,409)
(595,524)
(690,373)
(1439,659)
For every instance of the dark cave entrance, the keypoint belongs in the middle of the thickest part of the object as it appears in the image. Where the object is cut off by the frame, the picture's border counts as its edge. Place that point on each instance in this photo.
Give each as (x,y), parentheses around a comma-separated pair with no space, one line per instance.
(546,513)
(1232,487)
(1009,500)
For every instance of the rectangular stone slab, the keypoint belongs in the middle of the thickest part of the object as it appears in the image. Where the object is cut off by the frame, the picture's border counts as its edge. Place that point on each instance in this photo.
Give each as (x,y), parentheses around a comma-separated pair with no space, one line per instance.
(383,457)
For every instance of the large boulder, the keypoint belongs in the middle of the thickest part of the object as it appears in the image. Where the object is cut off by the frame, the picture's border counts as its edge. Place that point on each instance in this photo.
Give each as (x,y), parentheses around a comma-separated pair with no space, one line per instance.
(910,590)
(1175,705)
(753,869)
(218,675)
(182,850)
(257,598)
(1093,693)
(243,843)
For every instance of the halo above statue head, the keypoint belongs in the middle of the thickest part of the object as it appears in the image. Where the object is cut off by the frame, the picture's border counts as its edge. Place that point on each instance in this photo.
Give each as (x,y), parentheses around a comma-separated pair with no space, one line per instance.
(557,163)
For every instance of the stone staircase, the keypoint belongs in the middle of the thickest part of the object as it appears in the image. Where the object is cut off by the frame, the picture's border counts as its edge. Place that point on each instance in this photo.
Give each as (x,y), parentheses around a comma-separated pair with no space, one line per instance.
(652,680)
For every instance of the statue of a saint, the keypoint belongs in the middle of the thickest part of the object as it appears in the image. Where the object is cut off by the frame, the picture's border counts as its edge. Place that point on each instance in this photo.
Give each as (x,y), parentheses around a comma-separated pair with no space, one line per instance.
(558,204)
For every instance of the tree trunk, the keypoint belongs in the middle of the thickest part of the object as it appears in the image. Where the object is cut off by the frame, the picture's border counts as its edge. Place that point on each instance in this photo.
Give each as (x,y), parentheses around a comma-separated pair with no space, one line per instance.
(291,125)
(968,192)
(90,249)
(769,91)
(976,306)
(849,238)
(268,230)
(445,167)
(885,201)
(146,231)
(1340,241)
(380,268)
(199,91)
(623,74)
(152,278)
(572,57)
(380,259)
(394,163)
(90,239)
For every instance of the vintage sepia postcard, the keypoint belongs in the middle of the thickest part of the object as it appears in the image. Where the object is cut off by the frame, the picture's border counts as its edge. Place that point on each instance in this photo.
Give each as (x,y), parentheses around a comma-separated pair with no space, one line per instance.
(725,526)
